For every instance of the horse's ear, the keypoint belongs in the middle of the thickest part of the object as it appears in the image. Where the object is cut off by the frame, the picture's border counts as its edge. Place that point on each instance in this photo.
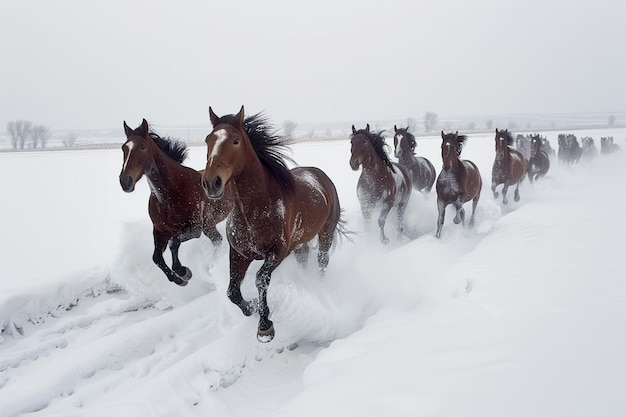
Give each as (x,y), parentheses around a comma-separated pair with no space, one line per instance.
(215,119)
(144,127)
(442,135)
(456,133)
(239,117)
(127,129)
(496,130)
(353,130)
(367,128)
(395,129)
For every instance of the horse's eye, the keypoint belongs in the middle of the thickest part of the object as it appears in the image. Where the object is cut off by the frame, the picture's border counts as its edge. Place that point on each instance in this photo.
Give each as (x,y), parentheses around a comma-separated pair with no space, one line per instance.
(142,147)
(236,141)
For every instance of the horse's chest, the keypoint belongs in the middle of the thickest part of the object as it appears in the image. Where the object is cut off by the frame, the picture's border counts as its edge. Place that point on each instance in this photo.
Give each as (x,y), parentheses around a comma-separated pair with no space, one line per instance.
(448,183)
(254,232)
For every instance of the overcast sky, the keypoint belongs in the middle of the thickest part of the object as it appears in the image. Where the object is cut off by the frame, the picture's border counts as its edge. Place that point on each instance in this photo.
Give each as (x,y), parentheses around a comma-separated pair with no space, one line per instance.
(76,64)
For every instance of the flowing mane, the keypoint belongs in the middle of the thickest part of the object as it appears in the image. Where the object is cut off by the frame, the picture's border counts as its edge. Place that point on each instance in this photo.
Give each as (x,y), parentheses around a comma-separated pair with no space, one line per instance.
(268,145)
(174,148)
(508,136)
(378,142)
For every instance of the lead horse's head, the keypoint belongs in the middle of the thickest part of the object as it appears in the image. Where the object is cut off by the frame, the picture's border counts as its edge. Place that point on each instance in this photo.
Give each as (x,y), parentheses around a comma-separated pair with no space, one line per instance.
(225,152)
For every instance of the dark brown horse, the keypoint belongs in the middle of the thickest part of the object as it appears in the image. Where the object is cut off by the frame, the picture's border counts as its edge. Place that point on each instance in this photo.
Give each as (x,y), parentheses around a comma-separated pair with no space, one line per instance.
(421,170)
(177,206)
(458,182)
(277,210)
(382,184)
(539,162)
(570,151)
(509,167)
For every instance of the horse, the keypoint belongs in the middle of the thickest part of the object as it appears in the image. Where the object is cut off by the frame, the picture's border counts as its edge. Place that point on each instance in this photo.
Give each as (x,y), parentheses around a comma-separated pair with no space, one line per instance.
(522,144)
(177,205)
(276,211)
(382,183)
(569,149)
(539,162)
(421,171)
(607,146)
(589,148)
(509,167)
(458,182)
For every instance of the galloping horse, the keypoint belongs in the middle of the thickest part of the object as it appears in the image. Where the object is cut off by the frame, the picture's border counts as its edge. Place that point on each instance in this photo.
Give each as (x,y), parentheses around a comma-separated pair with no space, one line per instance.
(458,182)
(522,144)
(509,167)
(421,170)
(276,210)
(177,206)
(539,162)
(382,183)
(589,148)
(569,149)
(607,146)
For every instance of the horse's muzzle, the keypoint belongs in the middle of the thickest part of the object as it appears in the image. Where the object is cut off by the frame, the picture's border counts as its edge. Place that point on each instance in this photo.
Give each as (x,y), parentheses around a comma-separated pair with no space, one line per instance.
(354,164)
(213,188)
(127,183)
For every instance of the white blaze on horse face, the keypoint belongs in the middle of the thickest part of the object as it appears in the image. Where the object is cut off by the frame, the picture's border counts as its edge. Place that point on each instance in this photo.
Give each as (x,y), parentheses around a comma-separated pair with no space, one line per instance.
(221,138)
(129,146)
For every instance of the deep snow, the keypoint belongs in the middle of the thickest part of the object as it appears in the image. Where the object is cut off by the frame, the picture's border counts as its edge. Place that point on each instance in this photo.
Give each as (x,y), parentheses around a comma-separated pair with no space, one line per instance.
(521,316)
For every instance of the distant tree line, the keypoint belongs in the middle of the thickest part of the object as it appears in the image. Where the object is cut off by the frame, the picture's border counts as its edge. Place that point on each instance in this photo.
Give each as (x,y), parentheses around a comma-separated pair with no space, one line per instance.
(25,134)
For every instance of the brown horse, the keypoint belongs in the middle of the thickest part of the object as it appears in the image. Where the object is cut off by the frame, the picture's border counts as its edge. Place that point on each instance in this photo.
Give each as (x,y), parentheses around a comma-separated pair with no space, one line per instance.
(421,170)
(177,206)
(539,162)
(277,210)
(458,182)
(509,167)
(382,184)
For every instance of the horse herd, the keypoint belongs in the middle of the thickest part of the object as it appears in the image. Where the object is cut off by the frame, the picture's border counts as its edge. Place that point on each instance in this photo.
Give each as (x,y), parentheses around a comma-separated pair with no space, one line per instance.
(272,210)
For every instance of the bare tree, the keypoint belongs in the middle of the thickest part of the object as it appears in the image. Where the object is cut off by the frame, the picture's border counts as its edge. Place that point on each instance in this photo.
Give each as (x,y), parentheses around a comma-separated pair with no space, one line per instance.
(70,140)
(40,135)
(430,121)
(311,133)
(289,128)
(19,131)
(611,120)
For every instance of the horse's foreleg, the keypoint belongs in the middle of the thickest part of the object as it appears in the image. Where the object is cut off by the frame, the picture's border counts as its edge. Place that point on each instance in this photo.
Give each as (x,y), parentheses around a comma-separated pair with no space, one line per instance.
(160,243)
(460,212)
(505,189)
(493,189)
(177,267)
(474,204)
(401,209)
(441,208)
(382,218)
(266,327)
(238,267)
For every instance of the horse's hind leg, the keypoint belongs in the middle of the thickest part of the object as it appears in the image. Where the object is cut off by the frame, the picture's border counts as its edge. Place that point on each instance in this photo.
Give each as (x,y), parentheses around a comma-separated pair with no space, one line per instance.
(493,190)
(401,209)
(516,196)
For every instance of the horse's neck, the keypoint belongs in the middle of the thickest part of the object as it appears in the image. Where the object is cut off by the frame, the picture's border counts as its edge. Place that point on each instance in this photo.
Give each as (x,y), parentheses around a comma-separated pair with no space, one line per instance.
(375,167)
(160,177)
(251,185)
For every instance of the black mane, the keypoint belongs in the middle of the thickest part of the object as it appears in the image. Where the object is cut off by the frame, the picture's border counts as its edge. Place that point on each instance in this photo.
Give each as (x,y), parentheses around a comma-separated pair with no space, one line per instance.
(380,146)
(176,149)
(269,146)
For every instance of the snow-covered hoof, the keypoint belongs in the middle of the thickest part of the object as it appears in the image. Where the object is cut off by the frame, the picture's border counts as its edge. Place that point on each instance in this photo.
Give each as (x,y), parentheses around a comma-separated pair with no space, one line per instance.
(265,336)
(178,280)
(516,198)
(457,219)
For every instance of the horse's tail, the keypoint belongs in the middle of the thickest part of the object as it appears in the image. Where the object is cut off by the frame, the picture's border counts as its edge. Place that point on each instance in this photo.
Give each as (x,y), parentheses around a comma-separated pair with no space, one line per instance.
(342,232)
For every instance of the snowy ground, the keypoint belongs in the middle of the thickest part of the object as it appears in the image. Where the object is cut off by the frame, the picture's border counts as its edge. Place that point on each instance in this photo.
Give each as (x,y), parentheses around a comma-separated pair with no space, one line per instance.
(524,315)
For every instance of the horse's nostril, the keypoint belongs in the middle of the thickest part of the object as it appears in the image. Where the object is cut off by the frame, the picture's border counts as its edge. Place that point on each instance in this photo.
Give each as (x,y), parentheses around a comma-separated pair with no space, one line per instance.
(217,183)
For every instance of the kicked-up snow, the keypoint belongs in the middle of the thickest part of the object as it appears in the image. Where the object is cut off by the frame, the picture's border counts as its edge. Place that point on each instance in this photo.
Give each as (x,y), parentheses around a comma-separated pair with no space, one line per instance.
(523,315)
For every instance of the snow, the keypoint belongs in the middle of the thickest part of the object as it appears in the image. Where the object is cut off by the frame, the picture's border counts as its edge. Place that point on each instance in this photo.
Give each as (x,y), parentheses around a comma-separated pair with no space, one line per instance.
(523,315)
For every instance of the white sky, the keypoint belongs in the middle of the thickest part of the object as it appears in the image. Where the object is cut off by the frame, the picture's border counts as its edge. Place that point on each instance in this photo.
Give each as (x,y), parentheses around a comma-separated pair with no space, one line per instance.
(73,64)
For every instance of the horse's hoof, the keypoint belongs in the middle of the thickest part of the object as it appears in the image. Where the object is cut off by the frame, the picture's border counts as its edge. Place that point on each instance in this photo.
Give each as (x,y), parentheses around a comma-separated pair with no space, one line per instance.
(187,275)
(516,198)
(266,336)
(178,281)
(457,220)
